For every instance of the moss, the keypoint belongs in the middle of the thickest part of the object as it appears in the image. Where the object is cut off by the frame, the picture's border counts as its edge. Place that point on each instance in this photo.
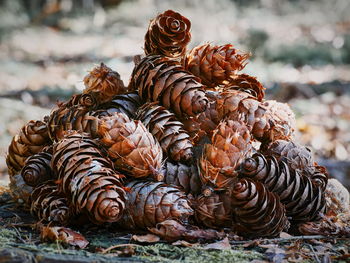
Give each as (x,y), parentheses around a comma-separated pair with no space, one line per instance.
(7,237)
(168,253)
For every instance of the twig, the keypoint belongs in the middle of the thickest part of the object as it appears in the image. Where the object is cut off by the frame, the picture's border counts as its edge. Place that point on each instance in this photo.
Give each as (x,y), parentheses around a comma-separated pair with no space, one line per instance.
(282,239)
(315,254)
(119,245)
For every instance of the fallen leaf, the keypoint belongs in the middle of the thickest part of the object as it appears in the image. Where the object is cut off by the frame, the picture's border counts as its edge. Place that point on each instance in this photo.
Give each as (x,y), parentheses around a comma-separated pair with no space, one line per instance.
(328,226)
(63,234)
(172,230)
(184,243)
(285,235)
(149,238)
(221,245)
(252,243)
(275,255)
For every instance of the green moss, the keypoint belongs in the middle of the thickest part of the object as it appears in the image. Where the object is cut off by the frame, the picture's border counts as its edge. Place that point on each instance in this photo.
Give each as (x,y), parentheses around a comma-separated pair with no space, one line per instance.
(168,253)
(7,236)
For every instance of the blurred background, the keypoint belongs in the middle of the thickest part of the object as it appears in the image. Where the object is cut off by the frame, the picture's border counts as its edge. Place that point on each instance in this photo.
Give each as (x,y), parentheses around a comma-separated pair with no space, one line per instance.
(300,52)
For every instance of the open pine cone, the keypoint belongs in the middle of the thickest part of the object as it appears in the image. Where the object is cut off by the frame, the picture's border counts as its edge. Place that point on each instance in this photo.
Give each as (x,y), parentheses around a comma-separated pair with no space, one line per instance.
(161,79)
(215,65)
(169,132)
(168,34)
(103,83)
(37,168)
(32,138)
(303,198)
(257,212)
(231,143)
(87,178)
(131,146)
(49,205)
(149,203)
(215,210)
(186,177)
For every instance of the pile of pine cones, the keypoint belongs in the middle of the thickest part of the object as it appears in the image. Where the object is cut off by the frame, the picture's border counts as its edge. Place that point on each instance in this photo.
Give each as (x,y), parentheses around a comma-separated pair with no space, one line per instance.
(189,139)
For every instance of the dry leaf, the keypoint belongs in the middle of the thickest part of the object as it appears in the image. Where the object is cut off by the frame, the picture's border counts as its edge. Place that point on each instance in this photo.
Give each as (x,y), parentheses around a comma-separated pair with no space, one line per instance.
(149,238)
(285,235)
(329,226)
(172,230)
(184,243)
(222,244)
(63,234)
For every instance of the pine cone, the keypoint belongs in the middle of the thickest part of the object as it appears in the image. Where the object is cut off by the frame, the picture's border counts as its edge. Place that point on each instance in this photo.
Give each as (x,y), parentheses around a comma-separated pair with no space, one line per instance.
(280,121)
(231,104)
(215,210)
(87,178)
(126,103)
(37,169)
(296,155)
(215,65)
(160,79)
(76,117)
(249,84)
(230,145)
(169,132)
(168,34)
(49,205)
(185,177)
(257,212)
(303,197)
(84,100)
(150,203)
(131,146)
(267,121)
(32,138)
(103,83)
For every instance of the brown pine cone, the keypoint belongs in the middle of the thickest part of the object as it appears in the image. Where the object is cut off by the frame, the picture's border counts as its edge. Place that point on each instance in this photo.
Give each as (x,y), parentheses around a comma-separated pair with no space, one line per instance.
(49,205)
(37,169)
(184,176)
(257,212)
(76,117)
(87,178)
(215,210)
(280,122)
(296,155)
(231,104)
(126,103)
(168,34)
(150,203)
(215,65)
(84,100)
(249,84)
(161,79)
(131,146)
(169,132)
(103,83)
(230,145)
(267,121)
(303,197)
(32,138)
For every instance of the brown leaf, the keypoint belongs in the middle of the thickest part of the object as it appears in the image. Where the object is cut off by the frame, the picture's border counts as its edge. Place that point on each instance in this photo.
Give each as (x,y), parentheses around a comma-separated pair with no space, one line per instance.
(184,243)
(172,230)
(65,235)
(222,244)
(329,225)
(169,230)
(149,238)
(285,235)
